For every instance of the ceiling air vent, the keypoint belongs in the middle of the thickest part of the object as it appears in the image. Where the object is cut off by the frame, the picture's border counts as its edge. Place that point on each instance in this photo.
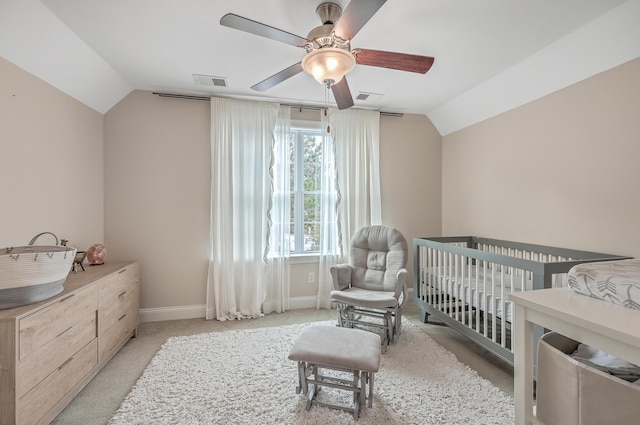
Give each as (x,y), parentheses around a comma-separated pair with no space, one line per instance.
(210,80)
(369,97)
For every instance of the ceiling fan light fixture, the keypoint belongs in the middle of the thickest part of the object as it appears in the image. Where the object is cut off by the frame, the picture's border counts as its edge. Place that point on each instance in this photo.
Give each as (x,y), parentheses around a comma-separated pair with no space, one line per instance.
(328,65)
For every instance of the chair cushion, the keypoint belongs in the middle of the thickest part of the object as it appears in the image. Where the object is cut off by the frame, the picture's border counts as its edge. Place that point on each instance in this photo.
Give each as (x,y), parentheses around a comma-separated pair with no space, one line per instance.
(332,346)
(365,298)
(376,255)
(377,260)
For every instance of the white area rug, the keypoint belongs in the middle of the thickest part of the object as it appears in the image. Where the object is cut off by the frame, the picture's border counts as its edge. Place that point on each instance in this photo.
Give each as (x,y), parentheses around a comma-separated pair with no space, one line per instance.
(244,377)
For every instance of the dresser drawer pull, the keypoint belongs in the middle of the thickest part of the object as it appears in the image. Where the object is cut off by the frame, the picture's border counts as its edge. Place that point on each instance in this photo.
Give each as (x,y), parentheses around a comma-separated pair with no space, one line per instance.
(65,363)
(122,294)
(64,332)
(122,271)
(67,297)
(122,317)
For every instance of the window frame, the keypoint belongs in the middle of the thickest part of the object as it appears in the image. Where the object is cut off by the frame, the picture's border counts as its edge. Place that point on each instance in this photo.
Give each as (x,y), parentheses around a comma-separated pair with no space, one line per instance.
(299,127)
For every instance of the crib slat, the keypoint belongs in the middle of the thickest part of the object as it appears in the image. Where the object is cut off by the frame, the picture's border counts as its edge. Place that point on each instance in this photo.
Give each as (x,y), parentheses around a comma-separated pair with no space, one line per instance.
(463,279)
(424,270)
(503,312)
(456,284)
(494,309)
(485,328)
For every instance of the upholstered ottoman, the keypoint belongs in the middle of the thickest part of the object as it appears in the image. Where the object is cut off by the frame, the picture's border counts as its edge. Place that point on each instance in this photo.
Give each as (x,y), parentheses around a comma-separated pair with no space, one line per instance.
(340,349)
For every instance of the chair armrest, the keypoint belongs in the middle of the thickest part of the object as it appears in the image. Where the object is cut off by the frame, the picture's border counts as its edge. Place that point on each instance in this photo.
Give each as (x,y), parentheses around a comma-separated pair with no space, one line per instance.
(401,285)
(341,274)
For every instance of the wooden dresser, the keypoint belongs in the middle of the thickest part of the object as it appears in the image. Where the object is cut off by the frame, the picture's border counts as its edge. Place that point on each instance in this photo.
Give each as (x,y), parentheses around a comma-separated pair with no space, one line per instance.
(50,350)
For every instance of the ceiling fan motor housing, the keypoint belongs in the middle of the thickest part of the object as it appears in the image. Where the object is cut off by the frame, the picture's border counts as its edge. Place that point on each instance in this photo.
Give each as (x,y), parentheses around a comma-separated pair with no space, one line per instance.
(329,13)
(323,36)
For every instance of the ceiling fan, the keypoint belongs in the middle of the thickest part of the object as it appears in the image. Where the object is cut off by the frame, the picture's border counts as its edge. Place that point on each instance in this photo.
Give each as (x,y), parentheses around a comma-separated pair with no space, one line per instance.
(329,55)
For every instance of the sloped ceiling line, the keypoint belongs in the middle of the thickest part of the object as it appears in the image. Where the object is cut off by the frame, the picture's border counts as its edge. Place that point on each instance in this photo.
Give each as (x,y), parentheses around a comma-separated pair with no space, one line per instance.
(479,72)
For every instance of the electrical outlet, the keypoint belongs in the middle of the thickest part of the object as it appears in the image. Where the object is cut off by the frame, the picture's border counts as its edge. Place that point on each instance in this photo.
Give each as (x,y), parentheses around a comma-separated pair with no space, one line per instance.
(312,277)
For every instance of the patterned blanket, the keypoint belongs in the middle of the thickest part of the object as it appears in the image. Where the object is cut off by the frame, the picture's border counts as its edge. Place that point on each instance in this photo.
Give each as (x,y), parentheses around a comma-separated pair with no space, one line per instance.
(615,281)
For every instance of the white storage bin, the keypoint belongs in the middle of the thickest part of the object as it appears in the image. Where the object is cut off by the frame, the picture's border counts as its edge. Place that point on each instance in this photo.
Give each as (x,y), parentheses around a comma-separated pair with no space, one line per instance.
(572,393)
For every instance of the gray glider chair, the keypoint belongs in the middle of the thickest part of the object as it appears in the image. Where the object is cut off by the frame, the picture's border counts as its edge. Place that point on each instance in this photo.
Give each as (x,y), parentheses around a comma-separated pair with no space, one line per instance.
(372,287)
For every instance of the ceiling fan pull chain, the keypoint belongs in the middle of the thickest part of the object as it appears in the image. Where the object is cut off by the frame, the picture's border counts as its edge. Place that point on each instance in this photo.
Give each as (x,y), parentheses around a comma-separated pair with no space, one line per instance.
(325,111)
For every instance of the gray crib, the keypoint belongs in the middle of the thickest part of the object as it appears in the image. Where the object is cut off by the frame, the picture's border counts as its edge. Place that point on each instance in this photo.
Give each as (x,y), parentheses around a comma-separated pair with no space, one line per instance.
(464,281)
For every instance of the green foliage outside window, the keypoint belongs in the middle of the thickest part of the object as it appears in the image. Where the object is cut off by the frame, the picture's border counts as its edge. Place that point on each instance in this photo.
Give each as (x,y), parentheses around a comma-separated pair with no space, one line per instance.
(306,161)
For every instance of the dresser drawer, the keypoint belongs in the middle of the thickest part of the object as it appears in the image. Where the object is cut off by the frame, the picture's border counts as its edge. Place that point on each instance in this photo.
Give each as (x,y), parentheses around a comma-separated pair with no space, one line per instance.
(113,337)
(45,325)
(41,363)
(112,285)
(44,396)
(118,294)
(126,301)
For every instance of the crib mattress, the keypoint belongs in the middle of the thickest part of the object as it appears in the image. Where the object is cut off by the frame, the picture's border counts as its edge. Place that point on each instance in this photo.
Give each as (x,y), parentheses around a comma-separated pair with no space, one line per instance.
(482,289)
(617,281)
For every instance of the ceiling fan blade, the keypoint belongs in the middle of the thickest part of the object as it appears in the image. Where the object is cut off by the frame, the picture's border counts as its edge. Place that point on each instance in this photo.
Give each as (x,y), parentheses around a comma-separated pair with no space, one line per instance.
(355,15)
(247,25)
(393,60)
(342,94)
(279,77)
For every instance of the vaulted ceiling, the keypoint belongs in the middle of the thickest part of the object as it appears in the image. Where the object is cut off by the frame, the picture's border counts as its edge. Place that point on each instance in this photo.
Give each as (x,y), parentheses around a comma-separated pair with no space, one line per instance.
(490,55)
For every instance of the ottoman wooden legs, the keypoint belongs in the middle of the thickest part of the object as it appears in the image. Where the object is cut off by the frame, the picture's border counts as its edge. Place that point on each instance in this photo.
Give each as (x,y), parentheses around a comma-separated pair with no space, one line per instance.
(313,378)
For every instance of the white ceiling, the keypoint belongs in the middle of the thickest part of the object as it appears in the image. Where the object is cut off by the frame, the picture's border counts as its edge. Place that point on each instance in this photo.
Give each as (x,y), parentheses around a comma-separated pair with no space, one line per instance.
(490,55)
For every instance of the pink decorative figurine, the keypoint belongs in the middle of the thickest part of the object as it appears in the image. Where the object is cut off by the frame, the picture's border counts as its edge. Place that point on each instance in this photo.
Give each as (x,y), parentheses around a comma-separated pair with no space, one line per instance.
(96,254)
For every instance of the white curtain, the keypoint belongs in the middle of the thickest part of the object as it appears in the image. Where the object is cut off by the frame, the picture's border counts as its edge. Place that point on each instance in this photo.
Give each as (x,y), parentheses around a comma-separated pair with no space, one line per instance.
(241,152)
(280,217)
(356,135)
(356,140)
(329,251)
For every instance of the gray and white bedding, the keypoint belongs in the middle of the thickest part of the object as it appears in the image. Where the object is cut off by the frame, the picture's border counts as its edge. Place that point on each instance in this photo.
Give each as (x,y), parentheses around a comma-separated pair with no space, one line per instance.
(481,287)
(617,281)
(607,363)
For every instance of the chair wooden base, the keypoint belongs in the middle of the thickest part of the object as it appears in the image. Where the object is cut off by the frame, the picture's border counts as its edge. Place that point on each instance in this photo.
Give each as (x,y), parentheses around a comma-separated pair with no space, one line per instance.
(389,320)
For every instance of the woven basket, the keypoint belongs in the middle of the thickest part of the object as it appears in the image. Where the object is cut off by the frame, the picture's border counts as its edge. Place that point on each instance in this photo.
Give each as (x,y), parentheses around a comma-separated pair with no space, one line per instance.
(29,273)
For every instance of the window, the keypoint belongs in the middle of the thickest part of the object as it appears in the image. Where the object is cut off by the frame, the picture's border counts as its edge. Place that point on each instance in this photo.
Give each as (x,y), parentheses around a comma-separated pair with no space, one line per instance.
(306,160)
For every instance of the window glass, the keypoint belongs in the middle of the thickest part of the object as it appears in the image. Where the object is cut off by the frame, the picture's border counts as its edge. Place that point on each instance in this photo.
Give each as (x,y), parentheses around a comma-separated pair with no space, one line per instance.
(306,162)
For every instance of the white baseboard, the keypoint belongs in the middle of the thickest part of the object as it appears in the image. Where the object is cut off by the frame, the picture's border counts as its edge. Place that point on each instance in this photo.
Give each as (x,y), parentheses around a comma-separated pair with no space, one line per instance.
(172,313)
(198,311)
(302,302)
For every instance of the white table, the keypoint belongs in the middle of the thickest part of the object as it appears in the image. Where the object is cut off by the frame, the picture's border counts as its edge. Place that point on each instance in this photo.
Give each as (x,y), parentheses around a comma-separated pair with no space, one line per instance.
(598,323)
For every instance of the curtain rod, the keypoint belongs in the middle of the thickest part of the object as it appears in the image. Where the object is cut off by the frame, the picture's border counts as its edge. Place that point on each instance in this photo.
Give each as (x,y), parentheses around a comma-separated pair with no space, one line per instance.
(300,107)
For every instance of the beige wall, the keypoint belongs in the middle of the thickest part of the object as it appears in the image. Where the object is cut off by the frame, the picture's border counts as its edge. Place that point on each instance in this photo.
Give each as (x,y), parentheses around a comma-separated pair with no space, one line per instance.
(562,170)
(411,177)
(157,198)
(51,162)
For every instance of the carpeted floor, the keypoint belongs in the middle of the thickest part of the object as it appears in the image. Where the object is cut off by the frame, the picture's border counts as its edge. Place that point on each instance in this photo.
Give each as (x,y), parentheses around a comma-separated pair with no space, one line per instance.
(99,400)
